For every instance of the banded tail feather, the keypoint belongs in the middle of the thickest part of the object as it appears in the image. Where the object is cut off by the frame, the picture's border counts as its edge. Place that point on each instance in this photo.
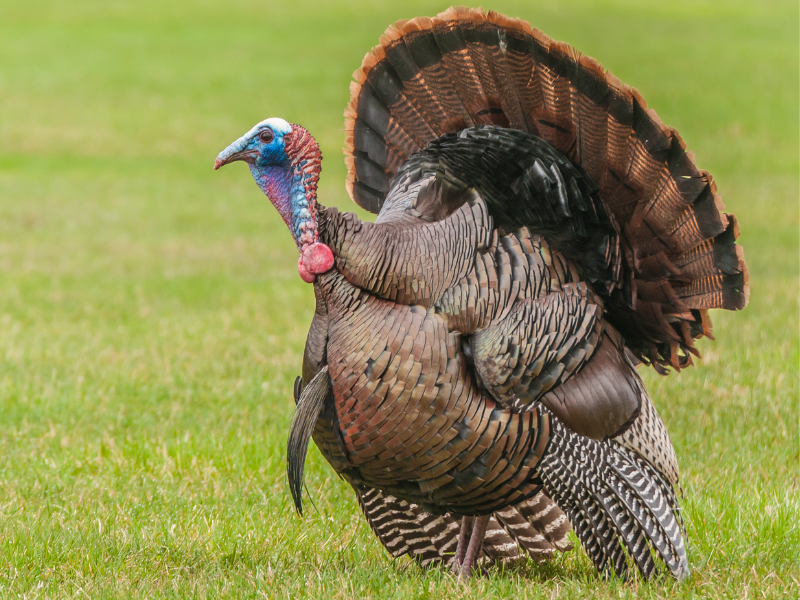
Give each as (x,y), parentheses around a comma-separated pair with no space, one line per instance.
(546,517)
(537,525)
(465,68)
(536,528)
(614,501)
(647,437)
(403,528)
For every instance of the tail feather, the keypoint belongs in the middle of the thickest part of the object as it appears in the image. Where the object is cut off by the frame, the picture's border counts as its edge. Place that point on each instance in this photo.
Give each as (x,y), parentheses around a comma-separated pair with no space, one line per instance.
(596,532)
(397,526)
(605,531)
(545,516)
(659,479)
(652,510)
(614,501)
(406,528)
(461,75)
(467,67)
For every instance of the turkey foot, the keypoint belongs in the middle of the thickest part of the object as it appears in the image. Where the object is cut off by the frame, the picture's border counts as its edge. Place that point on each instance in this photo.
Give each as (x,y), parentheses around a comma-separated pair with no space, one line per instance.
(469,546)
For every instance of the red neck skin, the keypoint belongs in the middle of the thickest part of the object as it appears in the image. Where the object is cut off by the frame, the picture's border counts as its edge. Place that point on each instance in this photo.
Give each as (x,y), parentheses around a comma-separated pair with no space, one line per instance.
(306,159)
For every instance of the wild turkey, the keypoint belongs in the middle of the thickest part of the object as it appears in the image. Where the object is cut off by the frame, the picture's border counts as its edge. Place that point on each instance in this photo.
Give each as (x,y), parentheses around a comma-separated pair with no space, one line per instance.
(472,353)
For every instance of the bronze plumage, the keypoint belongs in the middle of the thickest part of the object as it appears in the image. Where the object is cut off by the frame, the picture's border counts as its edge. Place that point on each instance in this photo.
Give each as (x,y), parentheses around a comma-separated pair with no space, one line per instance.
(471,366)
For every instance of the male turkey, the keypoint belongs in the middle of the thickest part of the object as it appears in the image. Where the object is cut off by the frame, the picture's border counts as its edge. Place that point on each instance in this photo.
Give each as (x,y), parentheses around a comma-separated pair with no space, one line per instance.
(472,353)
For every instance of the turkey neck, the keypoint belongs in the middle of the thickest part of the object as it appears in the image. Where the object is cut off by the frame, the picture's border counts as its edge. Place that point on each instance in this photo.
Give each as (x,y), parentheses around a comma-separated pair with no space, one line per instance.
(293,192)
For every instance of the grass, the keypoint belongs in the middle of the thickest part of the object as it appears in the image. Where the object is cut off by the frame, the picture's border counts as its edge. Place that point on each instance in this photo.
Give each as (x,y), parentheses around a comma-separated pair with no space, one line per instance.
(152,322)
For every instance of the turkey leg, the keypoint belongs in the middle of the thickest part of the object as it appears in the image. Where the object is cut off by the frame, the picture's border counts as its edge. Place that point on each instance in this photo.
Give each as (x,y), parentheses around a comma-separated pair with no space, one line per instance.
(463,542)
(470,543)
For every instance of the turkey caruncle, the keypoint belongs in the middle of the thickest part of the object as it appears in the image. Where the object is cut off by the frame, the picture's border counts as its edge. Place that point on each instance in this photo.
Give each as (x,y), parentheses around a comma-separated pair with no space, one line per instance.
(471,358)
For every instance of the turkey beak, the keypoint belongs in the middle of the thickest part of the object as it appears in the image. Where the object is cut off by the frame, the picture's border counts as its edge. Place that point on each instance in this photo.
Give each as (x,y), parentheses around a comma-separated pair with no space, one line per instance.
(225,157)
(238,150)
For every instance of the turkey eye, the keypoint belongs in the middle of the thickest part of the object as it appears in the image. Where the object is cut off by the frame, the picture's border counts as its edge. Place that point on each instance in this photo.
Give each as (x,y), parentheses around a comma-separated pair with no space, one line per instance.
(266,136)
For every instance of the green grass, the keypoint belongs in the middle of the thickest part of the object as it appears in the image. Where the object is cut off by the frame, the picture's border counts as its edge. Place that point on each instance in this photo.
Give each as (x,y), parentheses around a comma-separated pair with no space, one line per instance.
(152,321)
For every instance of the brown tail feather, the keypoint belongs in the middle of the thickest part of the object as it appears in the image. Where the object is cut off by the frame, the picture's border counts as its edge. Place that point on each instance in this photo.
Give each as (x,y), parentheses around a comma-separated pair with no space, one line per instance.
(466,67)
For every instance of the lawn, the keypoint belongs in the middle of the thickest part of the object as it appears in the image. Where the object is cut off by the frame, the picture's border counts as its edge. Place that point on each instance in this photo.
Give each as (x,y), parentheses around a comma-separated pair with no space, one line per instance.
(152,320)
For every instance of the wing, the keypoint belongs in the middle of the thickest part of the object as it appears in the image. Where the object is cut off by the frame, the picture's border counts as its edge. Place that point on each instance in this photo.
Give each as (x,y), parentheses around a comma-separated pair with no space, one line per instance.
(539,345)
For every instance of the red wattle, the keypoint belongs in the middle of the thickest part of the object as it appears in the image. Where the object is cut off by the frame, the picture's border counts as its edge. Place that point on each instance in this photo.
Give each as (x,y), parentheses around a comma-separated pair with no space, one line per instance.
(317,258)
(305,274)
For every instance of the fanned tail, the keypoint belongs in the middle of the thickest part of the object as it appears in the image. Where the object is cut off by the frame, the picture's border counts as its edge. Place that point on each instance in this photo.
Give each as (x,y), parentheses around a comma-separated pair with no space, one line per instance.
(466,68)
(614,500)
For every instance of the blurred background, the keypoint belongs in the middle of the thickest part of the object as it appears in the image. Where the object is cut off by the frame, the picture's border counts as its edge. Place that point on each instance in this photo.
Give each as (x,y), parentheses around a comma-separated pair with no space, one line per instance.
(152,320)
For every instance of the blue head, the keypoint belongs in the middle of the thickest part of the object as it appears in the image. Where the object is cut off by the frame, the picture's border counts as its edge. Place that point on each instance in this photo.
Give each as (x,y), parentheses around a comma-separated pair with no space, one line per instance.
(262,147)
(285,162)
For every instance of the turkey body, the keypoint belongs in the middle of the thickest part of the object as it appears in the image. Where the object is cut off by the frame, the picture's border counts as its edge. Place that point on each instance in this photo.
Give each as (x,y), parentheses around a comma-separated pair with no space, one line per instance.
(471,365)
(412,420)
(452,367)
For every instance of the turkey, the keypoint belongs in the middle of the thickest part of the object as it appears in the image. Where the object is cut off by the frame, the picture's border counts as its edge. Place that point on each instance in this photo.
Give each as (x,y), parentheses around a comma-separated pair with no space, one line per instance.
(471,365)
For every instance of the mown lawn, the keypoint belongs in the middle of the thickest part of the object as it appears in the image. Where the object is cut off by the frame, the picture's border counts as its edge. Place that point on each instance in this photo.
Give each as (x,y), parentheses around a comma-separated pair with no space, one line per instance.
(152,321)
